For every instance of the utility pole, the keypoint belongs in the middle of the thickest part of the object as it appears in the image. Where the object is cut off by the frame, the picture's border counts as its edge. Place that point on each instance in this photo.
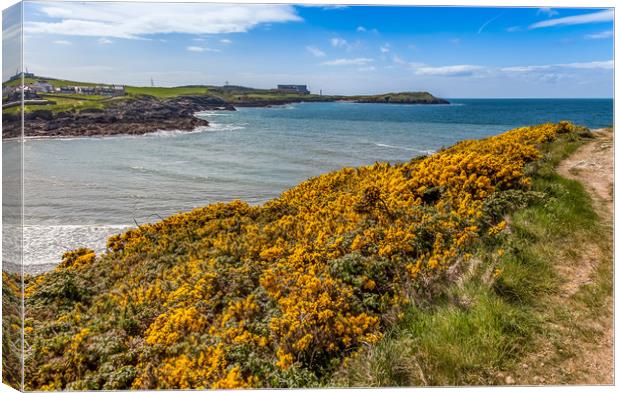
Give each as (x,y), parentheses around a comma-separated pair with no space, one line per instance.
(152,83)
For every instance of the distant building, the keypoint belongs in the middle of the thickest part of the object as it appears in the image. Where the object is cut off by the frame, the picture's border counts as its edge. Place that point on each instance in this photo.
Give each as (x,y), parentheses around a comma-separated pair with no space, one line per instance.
(299,89)
(42,87)
(69,90)
(115,90)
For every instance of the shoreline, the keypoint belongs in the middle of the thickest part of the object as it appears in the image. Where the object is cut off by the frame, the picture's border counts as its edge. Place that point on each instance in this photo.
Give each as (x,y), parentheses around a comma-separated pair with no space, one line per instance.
(143,115)
(146,115)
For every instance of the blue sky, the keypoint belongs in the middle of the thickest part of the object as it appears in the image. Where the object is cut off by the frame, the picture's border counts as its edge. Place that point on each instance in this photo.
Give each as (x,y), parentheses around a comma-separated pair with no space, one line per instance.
(449,51)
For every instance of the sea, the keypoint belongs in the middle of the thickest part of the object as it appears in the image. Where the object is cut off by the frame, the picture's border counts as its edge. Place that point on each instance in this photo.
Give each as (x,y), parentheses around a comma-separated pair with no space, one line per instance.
(79,191)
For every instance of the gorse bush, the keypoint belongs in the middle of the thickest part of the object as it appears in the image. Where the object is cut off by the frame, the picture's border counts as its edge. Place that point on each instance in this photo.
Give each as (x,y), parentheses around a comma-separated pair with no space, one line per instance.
(277,295)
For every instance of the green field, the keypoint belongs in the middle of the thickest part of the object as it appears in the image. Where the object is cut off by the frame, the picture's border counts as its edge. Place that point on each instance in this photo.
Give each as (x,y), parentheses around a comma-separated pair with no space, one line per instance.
(165,92)
(53,82)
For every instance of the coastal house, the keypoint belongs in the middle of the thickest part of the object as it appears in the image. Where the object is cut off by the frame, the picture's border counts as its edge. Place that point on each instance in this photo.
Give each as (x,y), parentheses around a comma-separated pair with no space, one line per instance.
(114,90)
(69,90)
(42,87)
(299,89)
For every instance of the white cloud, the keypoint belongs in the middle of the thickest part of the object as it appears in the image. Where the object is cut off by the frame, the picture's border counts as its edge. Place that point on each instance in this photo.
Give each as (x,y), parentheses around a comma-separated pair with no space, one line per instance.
(104,41)
(519,69)
(316,52)
(415,65)
(455,41)
(385,48)
(547,11)
(594,17)
(601,35)
(61,42)
(338,42)
(485,24)
(601,65)
(345,62)
(512,29)
(398,60)
(546,72)
(225,41)
(454,70)
(362,29)
(367,69)
(604,65)
(128,20)
(201,49)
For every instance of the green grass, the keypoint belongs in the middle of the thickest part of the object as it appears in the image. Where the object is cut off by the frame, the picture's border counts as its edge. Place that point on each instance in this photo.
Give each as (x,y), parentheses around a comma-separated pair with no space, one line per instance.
(53,82)
(78,97)
(485,324)
(165,92)
(403,97)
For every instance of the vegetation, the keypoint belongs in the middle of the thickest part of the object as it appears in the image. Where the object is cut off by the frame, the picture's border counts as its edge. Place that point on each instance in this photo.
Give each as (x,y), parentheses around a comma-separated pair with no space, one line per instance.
(11,329)
(398,98)
(52,81)
(288,293)
(166,92)
(476,332)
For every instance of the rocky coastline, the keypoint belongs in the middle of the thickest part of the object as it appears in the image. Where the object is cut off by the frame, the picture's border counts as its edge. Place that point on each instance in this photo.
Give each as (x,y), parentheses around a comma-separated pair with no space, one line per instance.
(146,114)
(128,117)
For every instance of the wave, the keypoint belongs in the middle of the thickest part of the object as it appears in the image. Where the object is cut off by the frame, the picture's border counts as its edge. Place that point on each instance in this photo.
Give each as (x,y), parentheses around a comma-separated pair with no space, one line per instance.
(426,152)
(214,127)
(45,244)
(212,113)
(171,133)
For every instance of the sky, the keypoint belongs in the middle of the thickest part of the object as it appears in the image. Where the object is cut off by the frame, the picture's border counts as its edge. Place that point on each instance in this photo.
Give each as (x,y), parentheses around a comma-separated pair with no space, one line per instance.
(448,51)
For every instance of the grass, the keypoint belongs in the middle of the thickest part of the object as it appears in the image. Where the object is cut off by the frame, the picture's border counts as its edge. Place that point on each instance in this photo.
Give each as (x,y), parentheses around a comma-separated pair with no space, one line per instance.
(165,92)
(478,331)
(403,97)
(61,104)
(53,82)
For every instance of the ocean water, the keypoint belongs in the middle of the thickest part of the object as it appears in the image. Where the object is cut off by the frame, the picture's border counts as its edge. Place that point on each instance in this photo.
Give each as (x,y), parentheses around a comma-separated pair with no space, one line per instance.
(78,191)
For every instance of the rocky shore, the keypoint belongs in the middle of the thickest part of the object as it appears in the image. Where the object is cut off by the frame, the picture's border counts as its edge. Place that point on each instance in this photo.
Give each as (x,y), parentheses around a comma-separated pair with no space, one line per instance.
(144,114)
(132,117)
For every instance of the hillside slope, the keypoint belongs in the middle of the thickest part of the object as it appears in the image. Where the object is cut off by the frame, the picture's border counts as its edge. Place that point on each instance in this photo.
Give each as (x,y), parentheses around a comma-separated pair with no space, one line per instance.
(278,295)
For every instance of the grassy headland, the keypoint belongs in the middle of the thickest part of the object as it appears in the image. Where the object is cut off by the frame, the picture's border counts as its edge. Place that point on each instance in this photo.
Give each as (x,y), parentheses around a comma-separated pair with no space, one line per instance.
(113,110)
(234,95)
(448,259)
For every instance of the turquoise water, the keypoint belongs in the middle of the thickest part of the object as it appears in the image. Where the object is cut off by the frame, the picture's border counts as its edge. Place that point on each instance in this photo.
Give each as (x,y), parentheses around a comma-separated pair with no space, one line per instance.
(79,191)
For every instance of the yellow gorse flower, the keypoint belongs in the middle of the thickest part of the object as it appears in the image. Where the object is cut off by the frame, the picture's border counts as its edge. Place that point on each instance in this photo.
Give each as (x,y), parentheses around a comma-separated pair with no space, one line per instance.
(229,295)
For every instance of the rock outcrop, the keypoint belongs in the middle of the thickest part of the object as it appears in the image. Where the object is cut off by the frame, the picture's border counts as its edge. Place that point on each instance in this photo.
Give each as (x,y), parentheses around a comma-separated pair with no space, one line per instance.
(133,117)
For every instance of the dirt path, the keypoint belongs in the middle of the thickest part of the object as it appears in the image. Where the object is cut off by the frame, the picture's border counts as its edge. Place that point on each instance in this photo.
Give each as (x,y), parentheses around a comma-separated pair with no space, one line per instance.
(579,349)
(593,166)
